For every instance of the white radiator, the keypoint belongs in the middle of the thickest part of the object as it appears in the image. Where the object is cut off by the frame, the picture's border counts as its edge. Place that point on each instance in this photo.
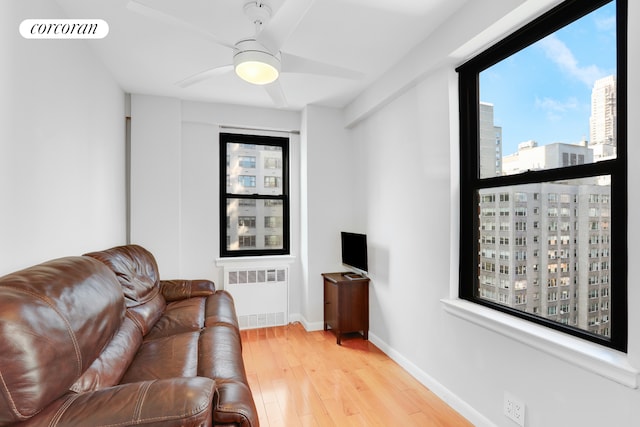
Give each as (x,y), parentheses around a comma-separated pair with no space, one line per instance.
(261,295)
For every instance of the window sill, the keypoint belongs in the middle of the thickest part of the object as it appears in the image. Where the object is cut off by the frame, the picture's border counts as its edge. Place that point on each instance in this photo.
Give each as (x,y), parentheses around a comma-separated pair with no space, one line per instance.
(597,359)
(255,261)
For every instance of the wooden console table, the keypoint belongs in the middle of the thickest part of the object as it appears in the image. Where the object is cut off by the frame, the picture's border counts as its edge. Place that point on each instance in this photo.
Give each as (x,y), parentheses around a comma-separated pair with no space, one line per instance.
(346,304)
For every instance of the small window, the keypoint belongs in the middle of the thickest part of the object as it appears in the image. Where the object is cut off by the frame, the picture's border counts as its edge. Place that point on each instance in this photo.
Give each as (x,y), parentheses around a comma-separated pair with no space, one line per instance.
(248,162)
(247,221)
(247,181)
(551,98)
(272,182)
(254,186)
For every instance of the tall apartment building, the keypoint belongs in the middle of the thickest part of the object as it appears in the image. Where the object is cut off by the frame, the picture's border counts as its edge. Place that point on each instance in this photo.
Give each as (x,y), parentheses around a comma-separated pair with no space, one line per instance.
(539,255)
(254,223)
(603,120)
(490,143)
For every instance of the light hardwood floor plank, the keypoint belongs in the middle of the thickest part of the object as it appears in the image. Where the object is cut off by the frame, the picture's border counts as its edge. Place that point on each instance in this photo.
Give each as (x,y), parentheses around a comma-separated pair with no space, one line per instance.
(301,378)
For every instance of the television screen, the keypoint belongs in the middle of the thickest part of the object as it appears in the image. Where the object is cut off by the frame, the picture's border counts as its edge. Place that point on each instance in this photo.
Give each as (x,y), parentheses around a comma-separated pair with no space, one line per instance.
(354,251)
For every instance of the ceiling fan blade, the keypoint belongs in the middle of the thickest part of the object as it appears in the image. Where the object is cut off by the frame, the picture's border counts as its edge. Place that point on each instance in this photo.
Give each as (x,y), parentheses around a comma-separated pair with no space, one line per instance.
(283,23)
(203,75)
(167,18)
(276,93)
(297,64)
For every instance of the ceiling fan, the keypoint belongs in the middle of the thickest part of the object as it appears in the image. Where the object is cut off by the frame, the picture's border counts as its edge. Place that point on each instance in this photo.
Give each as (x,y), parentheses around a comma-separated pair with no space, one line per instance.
(257,59)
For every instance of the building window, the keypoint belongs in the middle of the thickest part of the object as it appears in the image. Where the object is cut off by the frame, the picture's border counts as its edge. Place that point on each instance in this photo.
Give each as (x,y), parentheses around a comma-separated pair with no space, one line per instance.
(272,241)
(247,241)
(247,196)
(247,221)
(272,182)
(272,163)
(273,221)
(247,162)
(247,181)
(535,95)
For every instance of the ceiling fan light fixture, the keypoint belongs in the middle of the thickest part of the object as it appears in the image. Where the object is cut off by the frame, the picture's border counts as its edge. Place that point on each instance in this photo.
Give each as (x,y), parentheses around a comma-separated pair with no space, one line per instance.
(256,65)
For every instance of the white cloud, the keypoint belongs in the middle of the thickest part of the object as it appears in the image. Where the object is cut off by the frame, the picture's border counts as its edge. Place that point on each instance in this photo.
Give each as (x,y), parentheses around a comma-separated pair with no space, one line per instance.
(606,23)
(551,104)
(558,52)
(554,109)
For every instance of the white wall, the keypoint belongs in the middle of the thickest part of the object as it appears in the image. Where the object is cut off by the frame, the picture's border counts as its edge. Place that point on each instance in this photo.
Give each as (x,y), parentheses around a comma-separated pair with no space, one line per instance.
(404,170)
(62,149)
(411,220)
(329,205)
(155,187)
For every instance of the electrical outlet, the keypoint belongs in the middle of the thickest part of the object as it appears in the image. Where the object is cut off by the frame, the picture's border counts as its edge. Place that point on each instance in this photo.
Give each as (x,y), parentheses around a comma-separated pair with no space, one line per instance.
(514,409)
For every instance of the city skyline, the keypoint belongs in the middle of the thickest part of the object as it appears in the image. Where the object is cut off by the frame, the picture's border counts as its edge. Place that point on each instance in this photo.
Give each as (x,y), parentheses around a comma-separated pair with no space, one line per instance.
(545,247)
(543,93)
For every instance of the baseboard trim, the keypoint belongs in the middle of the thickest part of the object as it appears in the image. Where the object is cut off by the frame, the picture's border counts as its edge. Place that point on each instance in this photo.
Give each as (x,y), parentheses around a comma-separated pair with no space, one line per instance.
(308,326)
(453,400)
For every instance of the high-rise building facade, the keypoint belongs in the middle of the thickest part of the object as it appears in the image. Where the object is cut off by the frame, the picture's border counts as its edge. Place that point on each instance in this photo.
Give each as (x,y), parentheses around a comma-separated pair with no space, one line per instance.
(490,143)
(254,223)
(539,254)
(603,120)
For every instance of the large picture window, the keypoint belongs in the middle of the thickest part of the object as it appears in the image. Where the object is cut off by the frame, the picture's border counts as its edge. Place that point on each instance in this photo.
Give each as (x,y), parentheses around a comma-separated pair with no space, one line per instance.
(543,172)
(254,195)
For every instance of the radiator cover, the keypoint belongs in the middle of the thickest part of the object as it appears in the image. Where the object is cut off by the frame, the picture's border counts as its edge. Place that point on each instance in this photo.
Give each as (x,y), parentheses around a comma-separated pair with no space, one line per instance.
(261,295)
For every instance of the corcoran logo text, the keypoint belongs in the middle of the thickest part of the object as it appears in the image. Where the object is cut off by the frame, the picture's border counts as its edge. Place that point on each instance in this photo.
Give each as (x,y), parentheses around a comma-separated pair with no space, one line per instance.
(64,29)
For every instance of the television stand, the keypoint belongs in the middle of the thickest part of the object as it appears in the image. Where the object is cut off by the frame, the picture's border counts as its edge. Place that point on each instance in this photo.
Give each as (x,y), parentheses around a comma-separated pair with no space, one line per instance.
(346,304)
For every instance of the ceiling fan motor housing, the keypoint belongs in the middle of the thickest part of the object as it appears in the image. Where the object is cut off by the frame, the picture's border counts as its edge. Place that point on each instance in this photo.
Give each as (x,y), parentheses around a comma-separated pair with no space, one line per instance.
(254,63)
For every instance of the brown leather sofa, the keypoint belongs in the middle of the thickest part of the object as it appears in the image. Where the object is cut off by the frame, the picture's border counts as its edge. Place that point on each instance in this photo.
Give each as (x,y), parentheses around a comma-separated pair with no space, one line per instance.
(100,340)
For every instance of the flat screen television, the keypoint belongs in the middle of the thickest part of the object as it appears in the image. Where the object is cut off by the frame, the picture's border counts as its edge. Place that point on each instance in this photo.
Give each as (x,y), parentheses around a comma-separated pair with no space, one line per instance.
(354,251)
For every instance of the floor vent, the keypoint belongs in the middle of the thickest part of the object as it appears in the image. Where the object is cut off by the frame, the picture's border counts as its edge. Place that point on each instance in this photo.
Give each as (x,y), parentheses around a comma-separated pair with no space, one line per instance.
(261,295)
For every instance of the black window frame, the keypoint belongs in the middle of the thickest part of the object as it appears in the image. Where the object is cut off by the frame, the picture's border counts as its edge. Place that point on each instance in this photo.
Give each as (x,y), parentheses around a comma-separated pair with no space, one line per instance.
(470,181)
(283,143)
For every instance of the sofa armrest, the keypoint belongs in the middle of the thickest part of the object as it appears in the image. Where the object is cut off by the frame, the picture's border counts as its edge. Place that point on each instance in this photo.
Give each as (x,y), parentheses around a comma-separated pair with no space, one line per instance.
(234,405)
(174,290)
(165,403)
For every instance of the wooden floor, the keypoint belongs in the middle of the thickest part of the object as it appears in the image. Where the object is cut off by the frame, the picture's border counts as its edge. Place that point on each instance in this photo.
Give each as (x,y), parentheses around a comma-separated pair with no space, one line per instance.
(301,378)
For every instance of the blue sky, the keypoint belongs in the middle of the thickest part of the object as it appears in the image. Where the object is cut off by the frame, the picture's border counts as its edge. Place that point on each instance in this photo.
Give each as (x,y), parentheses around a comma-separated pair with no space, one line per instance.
(544,92)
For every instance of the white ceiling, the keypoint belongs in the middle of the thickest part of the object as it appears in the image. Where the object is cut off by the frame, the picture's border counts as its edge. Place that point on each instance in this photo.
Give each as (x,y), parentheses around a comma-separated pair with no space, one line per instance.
(150,55)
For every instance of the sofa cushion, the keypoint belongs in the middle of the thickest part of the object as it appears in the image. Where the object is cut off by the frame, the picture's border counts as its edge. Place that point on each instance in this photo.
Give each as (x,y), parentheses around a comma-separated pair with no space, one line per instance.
(58,314)
(169,357)
(179,316)
(175,402)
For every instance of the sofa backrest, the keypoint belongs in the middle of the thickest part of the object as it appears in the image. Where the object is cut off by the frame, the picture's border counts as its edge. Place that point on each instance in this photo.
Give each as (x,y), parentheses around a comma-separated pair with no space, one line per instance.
(55,319)
(137,271)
